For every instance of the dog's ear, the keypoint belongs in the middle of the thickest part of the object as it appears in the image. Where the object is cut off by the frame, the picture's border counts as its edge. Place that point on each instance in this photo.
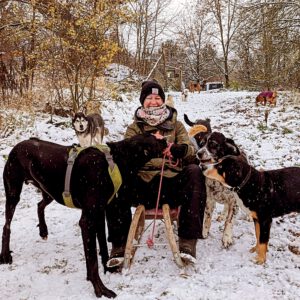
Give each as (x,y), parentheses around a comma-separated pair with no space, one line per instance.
(207,124)
(232,147)
(111,145)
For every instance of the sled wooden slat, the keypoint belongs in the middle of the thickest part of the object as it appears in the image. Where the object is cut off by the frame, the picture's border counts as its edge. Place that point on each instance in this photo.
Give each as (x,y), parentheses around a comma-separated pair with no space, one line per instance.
(150,214)
(137,228)
(134,235)
(170,234)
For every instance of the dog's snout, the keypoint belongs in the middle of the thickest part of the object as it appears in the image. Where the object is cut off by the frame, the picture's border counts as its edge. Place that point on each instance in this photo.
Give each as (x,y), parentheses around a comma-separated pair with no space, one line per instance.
(201,153)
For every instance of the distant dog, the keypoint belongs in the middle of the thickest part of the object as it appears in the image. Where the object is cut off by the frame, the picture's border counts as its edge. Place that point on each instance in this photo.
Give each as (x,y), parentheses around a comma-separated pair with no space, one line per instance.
(184,94)
(267,194)
(194,87)
(89,129)
(266,97)
(216,192)
(170,101)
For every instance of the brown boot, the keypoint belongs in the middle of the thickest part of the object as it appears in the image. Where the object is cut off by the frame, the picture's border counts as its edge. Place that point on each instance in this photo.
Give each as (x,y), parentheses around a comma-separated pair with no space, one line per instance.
(187,249)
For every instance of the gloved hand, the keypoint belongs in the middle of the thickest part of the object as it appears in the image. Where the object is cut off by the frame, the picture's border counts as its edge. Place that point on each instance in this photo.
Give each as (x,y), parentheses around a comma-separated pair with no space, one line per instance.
(178,151)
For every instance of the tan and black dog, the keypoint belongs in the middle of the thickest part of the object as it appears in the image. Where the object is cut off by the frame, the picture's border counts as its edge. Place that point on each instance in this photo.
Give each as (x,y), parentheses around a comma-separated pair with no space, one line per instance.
(267,194)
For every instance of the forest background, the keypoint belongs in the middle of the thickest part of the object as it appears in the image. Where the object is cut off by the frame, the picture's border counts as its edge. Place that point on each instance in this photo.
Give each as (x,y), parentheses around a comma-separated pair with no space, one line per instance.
(54,53)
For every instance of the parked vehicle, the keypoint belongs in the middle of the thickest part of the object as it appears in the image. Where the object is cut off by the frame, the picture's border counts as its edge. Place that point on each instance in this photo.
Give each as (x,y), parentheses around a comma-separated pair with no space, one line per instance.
(213,85)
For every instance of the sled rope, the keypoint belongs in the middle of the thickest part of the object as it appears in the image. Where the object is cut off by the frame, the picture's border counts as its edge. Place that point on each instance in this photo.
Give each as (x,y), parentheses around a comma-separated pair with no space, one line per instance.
(150,240)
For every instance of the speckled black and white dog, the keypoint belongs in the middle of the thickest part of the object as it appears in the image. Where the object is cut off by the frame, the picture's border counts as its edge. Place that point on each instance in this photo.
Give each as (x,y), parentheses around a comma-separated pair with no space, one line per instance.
(200,131)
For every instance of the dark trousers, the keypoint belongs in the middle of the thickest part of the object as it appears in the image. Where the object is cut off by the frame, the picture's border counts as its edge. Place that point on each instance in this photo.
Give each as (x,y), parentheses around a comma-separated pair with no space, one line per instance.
(187,189)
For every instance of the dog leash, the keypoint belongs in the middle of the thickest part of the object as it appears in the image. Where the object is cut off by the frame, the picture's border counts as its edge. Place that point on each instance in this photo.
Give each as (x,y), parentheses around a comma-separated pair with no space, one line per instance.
(150,240)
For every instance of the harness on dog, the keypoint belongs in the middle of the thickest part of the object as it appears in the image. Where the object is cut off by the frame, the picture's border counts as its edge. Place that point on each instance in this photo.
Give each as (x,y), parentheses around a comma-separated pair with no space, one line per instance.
(113,171)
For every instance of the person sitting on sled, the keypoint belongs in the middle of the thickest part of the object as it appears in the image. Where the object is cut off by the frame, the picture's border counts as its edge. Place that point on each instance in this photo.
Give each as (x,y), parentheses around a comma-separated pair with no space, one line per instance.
(183,184)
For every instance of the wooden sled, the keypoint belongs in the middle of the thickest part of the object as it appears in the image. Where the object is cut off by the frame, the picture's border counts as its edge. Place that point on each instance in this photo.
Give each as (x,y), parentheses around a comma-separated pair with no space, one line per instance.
(137,229)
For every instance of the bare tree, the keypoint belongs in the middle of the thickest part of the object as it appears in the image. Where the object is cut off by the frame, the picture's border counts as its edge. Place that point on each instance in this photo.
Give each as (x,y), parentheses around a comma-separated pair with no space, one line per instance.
(226,25)
(268,43)
(145,33)
(193,36)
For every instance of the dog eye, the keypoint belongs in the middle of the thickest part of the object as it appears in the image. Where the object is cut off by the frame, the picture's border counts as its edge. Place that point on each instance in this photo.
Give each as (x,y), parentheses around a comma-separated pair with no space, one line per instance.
(201,144)
(214,144)
(146,152)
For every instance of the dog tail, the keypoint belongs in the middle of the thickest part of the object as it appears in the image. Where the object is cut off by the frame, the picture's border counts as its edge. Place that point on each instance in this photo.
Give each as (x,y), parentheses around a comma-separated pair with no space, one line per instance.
(188,121)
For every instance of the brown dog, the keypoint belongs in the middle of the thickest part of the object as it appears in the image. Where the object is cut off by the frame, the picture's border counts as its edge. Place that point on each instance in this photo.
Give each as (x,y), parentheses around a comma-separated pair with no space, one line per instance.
(266,97)
(194,87)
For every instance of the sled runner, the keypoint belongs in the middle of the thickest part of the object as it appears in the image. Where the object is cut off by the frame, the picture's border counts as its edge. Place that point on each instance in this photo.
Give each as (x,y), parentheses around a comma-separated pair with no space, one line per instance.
(168,216)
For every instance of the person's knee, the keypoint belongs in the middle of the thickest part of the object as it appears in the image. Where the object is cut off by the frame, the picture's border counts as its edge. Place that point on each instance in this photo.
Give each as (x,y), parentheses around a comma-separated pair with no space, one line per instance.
(193,169)
(194,172)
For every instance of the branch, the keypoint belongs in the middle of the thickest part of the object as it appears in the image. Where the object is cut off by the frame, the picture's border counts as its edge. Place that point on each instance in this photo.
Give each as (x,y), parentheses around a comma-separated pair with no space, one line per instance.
(10,25)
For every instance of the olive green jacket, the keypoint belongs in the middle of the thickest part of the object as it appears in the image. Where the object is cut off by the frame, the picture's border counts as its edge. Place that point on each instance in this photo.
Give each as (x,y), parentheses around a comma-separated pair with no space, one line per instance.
(175,132)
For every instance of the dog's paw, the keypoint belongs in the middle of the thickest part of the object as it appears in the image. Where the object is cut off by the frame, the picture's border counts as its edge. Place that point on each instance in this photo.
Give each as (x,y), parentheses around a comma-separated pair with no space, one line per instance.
(188,259)
(258,260)
(205,232)
(227,241)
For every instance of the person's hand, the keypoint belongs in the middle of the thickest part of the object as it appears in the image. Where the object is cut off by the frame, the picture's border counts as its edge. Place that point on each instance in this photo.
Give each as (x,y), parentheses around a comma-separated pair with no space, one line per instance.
(167,151)
(158,135)
(178,151)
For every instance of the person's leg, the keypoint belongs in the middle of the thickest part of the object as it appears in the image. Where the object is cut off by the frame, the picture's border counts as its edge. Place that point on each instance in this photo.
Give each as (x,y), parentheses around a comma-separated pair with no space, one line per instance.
(192,196)
(118,215)
(192,193)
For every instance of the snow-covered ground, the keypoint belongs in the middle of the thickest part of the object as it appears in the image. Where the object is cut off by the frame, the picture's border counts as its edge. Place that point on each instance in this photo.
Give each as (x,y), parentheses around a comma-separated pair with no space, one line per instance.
(55,269)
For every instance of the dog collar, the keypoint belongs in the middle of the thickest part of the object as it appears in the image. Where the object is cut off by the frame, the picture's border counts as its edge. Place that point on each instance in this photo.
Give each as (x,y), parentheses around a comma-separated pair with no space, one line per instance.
(78,132)
(239,187)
